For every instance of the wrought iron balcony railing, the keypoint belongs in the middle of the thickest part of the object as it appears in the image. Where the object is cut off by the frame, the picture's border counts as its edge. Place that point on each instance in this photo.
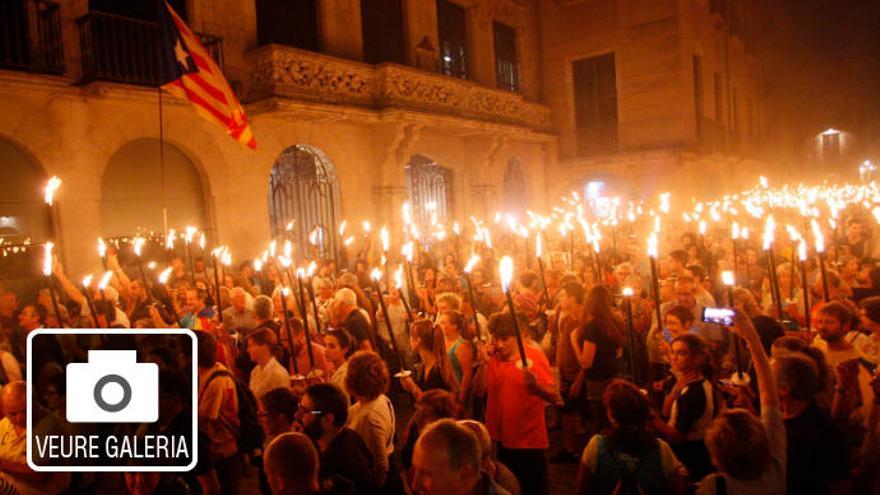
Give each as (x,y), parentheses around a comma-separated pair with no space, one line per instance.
(123,49)
(30,36)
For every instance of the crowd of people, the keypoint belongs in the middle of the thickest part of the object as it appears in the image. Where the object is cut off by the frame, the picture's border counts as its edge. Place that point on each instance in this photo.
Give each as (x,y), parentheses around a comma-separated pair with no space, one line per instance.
(426,392)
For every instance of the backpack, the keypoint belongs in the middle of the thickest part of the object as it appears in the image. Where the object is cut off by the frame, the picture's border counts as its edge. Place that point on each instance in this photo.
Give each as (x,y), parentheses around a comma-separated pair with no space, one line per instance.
(628,483)
(250,433)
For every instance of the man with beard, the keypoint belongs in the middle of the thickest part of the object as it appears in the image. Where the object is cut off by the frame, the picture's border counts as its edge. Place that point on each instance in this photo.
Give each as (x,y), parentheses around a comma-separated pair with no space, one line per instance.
(323,412)
(834,321)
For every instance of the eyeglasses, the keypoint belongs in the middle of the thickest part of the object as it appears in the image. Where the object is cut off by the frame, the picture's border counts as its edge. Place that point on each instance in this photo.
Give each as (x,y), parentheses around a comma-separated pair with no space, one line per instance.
(305,410)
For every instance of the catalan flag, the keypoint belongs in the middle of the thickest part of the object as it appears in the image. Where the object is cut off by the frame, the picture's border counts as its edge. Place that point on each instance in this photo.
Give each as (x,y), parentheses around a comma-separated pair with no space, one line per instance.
(188,71)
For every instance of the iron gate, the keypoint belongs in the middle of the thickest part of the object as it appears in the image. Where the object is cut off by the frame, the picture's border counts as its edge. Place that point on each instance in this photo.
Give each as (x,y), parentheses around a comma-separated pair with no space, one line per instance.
(303,189)
(514,187)
(430,190)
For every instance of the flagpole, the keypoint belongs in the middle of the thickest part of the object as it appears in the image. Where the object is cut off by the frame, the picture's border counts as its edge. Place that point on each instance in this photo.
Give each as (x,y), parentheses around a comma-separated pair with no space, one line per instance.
(159,54)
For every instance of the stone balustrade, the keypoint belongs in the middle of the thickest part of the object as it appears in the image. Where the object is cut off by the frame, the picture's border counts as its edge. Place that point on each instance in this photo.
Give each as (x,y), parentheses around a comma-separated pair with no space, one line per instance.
(280,71)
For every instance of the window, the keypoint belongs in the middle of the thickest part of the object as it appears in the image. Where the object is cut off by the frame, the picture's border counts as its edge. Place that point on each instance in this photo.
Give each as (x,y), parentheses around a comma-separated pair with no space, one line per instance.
(506,65)
(698,97)
(382,25)
(288,22)
(452,34)
(595,104)
(430,191)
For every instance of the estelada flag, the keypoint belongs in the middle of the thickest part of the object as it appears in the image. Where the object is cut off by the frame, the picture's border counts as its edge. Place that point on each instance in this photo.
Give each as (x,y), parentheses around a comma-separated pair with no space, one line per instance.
(188,71)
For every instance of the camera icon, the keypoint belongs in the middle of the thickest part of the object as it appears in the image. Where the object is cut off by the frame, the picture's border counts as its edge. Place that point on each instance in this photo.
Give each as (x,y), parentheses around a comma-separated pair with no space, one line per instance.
(113,388)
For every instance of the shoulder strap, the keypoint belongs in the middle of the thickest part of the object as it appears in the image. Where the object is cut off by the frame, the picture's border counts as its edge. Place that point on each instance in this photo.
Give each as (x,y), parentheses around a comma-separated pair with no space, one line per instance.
(218,373)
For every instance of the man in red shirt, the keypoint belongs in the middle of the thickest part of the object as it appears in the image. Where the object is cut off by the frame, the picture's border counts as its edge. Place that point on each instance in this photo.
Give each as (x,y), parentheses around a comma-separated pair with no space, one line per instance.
(516,401)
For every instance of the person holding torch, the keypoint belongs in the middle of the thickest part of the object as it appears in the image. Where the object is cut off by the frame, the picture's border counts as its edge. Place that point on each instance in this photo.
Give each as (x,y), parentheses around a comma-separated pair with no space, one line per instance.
(516,397)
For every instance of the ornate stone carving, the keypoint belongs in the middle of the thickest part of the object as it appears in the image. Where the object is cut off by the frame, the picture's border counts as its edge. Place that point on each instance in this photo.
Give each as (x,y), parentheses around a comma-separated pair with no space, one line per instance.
(290,72)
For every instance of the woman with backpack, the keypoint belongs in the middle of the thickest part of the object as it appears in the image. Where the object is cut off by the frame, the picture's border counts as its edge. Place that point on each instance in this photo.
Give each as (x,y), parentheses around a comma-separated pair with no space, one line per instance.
(626,457)
(691,405)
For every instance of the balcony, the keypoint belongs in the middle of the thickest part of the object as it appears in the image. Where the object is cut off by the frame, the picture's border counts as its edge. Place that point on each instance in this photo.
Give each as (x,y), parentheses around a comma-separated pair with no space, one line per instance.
(125,50)
(280,71)
(30,36)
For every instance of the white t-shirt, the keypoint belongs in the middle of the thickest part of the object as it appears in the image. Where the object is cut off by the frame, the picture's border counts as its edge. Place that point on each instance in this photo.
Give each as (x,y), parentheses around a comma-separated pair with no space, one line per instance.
(268,377)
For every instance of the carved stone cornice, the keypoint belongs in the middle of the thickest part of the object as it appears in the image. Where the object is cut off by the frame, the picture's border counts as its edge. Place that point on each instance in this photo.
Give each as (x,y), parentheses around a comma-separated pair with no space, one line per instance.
(293,73)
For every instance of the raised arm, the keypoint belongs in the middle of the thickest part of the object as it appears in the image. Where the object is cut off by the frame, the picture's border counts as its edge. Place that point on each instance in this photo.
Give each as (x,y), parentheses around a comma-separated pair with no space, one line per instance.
(766,381)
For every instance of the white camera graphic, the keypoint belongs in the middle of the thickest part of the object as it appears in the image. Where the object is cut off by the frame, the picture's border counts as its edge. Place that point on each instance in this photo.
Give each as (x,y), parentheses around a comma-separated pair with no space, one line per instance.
(113,388)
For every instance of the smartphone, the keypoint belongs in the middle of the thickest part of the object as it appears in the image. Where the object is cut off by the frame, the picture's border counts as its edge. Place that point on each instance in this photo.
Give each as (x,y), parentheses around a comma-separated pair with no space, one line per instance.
(721,316)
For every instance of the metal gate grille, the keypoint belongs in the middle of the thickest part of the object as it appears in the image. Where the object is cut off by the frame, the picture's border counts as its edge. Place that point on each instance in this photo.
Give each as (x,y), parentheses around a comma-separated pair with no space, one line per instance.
(303,189)
(430,190)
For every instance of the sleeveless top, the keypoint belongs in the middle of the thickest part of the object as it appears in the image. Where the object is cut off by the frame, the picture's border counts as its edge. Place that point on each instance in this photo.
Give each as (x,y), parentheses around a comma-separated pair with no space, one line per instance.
(694,410)
(456,365)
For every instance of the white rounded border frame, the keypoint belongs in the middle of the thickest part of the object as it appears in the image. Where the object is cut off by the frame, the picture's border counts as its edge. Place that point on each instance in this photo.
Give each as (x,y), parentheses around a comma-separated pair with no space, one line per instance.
(127,468)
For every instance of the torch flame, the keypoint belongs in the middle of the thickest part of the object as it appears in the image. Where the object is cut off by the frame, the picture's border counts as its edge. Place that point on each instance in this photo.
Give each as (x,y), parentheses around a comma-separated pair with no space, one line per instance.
(769,231)
(736,232)
(366,225)
(311,269)
(407,213)
(471,263)
(407,251)
(288,248)
(258,265)
(189,233)
(51,186)
(376,274)
(138,244)
(300,273)
(169,239)
(702,227)
(728,278)
(539,245)
(47,258)
(163,277)
(342,228)
(285,291)
(348,241)
(102,248)
(627,292)
(285,261)
(289,226)
(652,245)
(802,250)
(105,279)
(202,241)
(87,280)
(386,241)
(272,249)
(456,228)
(398,277)
(817,234)
(506,268)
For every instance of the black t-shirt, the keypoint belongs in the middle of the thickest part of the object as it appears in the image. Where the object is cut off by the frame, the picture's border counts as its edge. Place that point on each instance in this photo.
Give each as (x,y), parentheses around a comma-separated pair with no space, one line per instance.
(433,380)
(348,457)
(608,357)
(817,454)
(358,326)
(690,406)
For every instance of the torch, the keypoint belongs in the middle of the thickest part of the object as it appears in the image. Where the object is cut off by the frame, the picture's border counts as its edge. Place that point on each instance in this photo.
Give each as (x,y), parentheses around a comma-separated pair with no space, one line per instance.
(729,279)
(47,271)
(163,280)
(105,279)
(285,292)
(214,253)
(735,234)
(467,278)
(310,273)
(187,238)
(820,251)
(627,302)
(86,283)
(769,230)
(375,276)
(138,246)
(102,252)
(300,274)
(506,268)
(398,283)
(49,197)
(655,279)
(802,255)
(539,251)
(386,243)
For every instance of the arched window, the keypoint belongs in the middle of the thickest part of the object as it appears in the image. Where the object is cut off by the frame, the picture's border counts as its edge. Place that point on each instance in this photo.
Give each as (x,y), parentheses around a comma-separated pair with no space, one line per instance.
(514,187)
(22,211)
(430,190)
(303,189)
(139,192)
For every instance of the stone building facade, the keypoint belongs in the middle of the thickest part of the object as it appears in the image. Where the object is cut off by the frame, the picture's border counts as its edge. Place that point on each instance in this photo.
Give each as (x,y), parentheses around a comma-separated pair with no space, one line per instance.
(462,107)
